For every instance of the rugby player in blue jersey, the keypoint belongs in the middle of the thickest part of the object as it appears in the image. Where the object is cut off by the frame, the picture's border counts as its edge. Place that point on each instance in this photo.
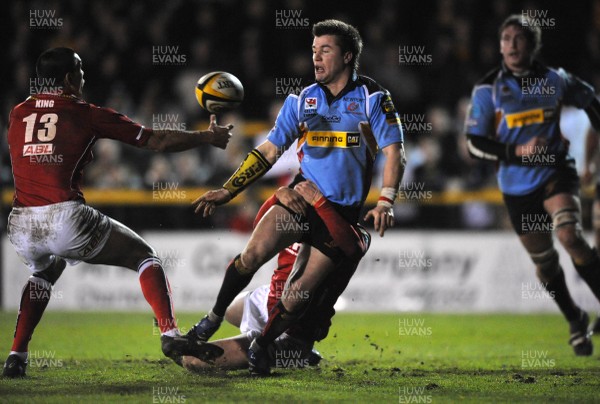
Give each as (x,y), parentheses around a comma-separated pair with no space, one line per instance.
(340,123)
(590,173)
(513,120)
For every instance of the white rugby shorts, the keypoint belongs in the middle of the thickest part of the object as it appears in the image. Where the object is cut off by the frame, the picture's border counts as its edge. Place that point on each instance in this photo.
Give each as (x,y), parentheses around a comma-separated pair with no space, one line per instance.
(255,315)
(70,230)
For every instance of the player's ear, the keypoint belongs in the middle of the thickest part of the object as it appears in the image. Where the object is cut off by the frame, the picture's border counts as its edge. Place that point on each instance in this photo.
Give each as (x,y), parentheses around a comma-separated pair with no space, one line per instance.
(348,57)
(68,80)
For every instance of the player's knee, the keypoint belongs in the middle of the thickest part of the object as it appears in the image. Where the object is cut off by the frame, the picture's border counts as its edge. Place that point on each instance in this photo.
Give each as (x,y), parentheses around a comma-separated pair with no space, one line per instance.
(143,256)
(53,272)
(249,261)
(570,237)
(567,223)
(294,305)
(547,264)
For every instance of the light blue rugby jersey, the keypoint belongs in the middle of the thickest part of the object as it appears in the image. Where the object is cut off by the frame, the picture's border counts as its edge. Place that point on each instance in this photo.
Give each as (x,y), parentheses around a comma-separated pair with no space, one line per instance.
(514,110)
(333,152)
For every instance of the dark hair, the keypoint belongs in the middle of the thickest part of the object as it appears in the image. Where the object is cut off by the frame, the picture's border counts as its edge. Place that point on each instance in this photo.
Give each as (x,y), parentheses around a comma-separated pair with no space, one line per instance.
(532,31)
(348,37)
(55,63)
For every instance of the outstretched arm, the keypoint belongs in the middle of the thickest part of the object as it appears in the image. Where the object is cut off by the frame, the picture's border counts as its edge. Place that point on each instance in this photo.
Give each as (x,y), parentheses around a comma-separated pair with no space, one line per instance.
(485,148)
(180,140)
(254,166)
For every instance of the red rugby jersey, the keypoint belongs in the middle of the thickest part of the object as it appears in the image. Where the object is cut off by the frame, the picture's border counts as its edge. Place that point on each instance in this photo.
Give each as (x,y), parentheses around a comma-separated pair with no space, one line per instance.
(50,138)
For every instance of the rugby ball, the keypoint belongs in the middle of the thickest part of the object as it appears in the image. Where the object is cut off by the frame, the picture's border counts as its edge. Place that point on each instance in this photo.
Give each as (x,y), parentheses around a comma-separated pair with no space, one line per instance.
(219,92)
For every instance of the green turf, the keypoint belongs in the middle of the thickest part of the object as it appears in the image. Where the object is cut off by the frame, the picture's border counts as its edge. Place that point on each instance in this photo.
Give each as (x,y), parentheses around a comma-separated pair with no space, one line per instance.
(108,357)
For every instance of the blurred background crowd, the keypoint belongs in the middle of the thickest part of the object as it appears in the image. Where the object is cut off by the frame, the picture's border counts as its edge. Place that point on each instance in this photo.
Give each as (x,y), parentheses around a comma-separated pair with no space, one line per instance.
(143,59)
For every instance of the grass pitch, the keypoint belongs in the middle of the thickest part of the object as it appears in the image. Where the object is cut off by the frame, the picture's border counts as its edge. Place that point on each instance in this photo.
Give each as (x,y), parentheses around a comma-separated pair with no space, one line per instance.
(373,358)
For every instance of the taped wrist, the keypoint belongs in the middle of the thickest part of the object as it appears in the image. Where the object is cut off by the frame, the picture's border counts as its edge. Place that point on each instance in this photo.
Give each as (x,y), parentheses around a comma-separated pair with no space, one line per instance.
(387,197)
(254,166)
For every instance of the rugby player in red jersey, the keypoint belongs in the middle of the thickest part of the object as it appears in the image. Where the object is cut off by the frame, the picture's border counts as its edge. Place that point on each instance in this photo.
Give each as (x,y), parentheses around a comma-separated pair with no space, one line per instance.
(50,138)
(250,310)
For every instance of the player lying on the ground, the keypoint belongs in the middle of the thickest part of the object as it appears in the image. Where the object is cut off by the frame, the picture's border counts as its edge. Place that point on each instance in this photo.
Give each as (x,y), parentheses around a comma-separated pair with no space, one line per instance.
(250,310)
(340,122)
(513,120)
(50,136)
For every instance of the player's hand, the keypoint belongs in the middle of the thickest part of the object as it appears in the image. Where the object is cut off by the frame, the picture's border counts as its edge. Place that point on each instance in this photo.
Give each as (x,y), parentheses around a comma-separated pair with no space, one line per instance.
(534,146)
(292,199)
(383,218)
(218,135)
(309,191)
(208,202)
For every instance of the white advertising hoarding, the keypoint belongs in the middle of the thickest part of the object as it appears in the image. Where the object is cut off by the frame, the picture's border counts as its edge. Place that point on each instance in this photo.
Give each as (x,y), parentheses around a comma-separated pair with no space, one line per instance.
(404,271)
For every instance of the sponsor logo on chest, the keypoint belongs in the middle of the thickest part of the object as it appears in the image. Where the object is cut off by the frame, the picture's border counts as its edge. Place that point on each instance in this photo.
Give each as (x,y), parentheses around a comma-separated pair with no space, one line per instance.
(333,139)
(39,149)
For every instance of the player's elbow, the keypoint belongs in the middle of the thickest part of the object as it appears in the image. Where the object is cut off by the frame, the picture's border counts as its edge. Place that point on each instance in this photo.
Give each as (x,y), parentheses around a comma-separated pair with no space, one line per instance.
(396,155)
(403,161)
(269,151)
(476,149)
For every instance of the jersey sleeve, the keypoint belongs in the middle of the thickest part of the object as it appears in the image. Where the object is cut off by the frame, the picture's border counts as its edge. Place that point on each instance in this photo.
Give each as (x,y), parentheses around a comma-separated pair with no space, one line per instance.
(287,125)
(578,93)
(384,120)
(108,123)
(481,113)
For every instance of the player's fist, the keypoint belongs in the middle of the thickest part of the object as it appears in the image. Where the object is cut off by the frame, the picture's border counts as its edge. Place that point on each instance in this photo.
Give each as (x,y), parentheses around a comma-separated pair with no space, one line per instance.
(383,218)
(291,199)
(218,135)
(309,192)
(208,202)
(535,145)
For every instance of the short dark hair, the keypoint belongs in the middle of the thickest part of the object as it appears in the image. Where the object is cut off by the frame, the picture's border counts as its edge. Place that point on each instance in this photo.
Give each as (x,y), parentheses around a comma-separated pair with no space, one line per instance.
(532,31)
(55,63)
(349,37)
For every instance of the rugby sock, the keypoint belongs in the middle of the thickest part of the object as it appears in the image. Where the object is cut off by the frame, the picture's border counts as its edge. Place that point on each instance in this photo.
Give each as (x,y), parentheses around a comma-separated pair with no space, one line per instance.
(156,290)
(279,320)
(590,273)
(35,298)
(214,318)
(236,279)
(557,288)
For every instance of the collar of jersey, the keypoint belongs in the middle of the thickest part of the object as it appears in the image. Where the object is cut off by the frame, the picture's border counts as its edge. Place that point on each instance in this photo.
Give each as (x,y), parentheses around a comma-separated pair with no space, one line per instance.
(70,96)
(537,70)
(350,85)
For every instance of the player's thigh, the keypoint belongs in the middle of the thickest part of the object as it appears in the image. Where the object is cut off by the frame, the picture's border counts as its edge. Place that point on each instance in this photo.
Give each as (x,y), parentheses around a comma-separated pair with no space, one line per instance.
(32,249)
(276,230)
(124,247)
(562,201)
(70,230)
(235,311)
(306,277)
